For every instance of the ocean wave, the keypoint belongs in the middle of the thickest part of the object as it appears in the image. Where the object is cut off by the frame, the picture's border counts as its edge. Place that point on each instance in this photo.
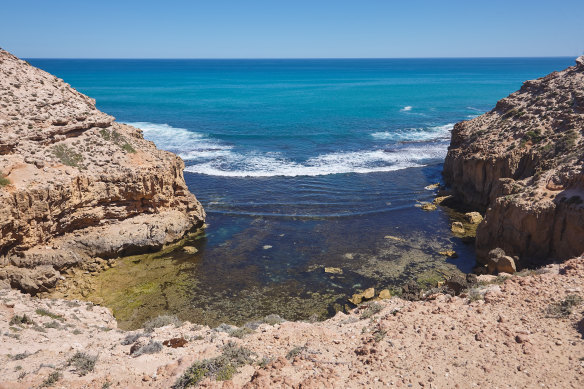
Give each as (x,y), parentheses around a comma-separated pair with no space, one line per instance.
(207,156)
(189,145)
(416,134)
(368,161)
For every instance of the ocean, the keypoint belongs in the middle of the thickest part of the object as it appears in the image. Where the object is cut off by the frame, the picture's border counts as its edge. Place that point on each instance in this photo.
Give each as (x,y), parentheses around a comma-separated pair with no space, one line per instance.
(310,172)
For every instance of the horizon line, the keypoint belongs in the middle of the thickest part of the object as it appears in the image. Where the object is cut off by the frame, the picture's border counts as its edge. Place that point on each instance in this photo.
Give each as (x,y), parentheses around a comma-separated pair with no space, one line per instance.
(291,58)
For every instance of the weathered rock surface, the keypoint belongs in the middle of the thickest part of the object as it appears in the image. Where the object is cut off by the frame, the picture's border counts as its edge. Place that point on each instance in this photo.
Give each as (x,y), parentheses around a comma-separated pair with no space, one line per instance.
(80,184)
(523,162)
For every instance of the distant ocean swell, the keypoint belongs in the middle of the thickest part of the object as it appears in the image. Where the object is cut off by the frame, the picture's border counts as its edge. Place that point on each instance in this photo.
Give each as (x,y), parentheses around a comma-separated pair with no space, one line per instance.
(413,147)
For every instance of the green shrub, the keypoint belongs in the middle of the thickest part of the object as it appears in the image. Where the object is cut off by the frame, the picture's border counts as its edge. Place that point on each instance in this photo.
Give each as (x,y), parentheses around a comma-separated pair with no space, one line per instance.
(18,320)
(3,181)
(54,324)
(240,332)
(295,351)
(371,310)
(51,380)
(67,155)
(83,363)
(118,139)
(151,347)
(161,321)
(221,368)
(564,308)
(44,312)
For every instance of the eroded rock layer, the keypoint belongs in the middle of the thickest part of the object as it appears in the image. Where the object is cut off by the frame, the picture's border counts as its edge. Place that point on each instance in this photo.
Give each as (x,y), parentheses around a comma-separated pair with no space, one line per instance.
(523,163)
(75,184)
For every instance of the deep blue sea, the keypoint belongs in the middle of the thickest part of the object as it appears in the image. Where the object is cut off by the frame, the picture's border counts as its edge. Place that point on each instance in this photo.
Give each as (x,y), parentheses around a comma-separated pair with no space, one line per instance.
(304,164)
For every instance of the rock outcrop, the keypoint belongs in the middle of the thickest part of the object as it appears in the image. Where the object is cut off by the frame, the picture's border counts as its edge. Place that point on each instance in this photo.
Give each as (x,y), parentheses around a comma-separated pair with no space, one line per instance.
(75,184)
(523,163)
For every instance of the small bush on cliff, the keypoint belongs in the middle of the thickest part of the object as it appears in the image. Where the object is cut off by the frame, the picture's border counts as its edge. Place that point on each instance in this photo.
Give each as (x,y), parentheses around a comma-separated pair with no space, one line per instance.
(240,332)
(564,308)
(161,321)
(221,368)
(131,338)
(371,310)
(151,347)
(118,139)
(44,312)
(83,363)
(51,380)
(18,320)
(295,352)
(3,180)
(67,155)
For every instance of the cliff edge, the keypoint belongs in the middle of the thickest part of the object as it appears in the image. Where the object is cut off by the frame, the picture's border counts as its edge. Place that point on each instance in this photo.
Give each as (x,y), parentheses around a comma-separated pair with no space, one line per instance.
(523,162)
(75,185)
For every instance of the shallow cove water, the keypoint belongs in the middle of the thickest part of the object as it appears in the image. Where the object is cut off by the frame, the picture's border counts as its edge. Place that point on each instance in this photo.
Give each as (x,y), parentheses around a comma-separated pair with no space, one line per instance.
(300,165)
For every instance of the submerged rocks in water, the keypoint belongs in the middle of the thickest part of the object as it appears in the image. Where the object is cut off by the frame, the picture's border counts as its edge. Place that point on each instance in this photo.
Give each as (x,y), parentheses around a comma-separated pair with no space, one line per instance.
(458,228)
(428,207)
(190,249)
(358,298)
(333,270)
(449,253)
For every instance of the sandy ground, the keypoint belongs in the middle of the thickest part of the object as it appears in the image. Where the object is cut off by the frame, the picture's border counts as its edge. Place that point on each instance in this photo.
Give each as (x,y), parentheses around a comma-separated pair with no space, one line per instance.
(510,334)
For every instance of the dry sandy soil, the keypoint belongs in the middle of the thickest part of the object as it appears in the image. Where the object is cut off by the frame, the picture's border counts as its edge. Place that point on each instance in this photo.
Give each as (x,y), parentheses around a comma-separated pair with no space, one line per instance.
(510,333)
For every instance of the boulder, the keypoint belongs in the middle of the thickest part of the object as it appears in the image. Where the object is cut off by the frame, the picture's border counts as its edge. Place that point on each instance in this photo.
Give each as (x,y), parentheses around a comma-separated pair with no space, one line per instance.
(449,253)
(498,262)
(357,298)
(385,294)
(457,283)
(369,293)
(190,250)
(428,207)
(473,217)
(457,228)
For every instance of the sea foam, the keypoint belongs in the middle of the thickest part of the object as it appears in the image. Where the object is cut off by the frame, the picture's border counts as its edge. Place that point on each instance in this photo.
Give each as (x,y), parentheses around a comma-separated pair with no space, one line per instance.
(206,156)
(416,134)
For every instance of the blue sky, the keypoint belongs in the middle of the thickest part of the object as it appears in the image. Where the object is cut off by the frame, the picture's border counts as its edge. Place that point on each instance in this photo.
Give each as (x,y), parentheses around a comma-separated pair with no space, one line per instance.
(291,29)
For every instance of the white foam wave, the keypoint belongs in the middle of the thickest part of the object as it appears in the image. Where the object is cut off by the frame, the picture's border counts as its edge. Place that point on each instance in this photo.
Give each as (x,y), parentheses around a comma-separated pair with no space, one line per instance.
(240,165)
(210,157)
(407,108)
(189,145)
(416,134)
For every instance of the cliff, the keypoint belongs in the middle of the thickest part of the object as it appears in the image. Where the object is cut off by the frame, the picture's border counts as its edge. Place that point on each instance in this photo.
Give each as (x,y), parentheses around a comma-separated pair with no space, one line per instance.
(75,184)
(523,163)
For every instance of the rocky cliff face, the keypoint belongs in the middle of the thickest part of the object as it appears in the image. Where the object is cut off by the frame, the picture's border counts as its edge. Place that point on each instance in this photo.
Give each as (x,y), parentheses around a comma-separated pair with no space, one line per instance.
(523,162)
(75,184)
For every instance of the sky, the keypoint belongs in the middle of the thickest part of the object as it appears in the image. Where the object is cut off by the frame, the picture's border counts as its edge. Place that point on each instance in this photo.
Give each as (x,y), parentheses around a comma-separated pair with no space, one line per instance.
(291,28)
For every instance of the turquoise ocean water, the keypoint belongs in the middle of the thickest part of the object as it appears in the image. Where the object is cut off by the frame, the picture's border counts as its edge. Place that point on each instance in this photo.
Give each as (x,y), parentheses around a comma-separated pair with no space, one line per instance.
(303,164)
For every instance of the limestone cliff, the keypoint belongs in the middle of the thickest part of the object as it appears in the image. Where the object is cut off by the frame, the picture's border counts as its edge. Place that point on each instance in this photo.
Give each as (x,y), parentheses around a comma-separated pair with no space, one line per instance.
(75,184)
(523,163)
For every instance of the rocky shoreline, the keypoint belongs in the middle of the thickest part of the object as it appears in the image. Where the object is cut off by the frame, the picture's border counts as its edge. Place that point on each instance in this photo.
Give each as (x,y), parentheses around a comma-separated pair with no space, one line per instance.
(524,331)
